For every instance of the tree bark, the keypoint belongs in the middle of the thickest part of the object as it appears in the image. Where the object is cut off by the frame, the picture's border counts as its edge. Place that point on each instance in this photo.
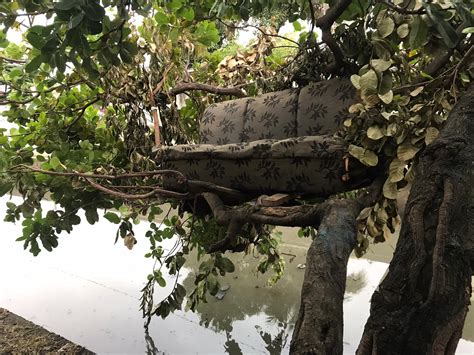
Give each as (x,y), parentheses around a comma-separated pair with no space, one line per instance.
(421,304)
(319,328)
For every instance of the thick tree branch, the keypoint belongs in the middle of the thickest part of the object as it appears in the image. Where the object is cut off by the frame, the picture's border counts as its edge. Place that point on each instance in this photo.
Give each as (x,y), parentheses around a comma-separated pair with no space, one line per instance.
(325,22)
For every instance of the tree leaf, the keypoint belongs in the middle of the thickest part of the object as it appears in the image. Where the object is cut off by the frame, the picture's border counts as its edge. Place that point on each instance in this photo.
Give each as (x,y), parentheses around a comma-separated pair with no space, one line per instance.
(368,82)
(448,33)
(390,190)
(112,217)
(396,170)
(431,134)
(418,32)
(406,150)
(365,156)
(36,40)
(403,30)
(355,81)
(75,20)
(385,27)
(94,11)
(387,97)
(380,65)
(375,132)
(66,4)
(227,265)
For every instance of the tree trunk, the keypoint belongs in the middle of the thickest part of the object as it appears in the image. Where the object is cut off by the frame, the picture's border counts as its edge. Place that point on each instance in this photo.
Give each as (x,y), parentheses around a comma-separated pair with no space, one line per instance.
(421,304)
(319,327)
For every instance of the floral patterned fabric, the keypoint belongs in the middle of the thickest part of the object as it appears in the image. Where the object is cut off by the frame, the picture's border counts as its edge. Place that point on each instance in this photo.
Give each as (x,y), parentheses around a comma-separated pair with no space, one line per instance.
(316,109)
(278,142)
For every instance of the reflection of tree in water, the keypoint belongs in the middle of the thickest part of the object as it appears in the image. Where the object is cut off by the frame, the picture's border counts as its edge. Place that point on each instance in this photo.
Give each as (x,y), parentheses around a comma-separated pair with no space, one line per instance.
(231,346)
(249,296)
(356,282)
(151,349)
(276,344)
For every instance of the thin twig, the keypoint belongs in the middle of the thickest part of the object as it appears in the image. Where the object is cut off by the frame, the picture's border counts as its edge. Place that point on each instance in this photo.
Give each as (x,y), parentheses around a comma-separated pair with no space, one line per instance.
(259,29)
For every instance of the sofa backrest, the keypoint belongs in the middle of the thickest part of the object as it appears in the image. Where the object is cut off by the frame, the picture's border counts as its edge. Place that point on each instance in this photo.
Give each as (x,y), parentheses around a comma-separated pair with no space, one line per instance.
(317,109)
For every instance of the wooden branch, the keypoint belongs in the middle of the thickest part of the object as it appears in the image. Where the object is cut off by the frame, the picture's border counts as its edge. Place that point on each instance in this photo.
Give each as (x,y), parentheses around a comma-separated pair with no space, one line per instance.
(260,30)
(102,176)
(82,110)
(183,87)
(294,216)
(11,60)
(325,22)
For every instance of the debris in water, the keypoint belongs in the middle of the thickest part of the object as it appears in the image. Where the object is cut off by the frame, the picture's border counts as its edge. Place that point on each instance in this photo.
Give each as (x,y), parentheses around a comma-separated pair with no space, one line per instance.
(222,291)
(301,266)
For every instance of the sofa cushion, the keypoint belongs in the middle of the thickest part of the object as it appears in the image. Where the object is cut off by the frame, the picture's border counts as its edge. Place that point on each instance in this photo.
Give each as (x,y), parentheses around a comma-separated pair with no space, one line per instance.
(271,116)
(306,165)
(323,106)
(319,108)
(223,123)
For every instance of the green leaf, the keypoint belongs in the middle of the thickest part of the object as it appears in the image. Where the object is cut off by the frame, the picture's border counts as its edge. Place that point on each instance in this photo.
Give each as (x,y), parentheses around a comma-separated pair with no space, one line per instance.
(94,11)
(35,39)
(75,21)
(161,18)
(418,32)
(161,281)
(187,13)
(244,13)
(66,4)
(91,215)
(297,26)
(448,33)
(34,64)
(175,4)
(3,140)
(5,187)
(468,30)
(55,162)
(227,265)
(112,217)
(385,27)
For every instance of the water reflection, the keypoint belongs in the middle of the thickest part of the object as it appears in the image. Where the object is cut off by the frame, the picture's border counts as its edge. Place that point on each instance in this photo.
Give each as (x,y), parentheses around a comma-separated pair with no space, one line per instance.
(95,303)
(249,295)
(275,344)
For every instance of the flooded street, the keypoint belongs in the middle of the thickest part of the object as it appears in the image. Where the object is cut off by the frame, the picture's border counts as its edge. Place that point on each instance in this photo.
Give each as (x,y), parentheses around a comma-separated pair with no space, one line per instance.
(88,290)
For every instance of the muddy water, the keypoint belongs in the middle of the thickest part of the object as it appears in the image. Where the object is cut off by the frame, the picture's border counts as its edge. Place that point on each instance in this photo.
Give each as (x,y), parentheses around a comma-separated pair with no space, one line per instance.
(88,291)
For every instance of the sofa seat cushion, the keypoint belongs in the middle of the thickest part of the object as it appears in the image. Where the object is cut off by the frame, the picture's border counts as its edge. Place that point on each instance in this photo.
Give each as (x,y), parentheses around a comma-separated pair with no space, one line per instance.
(306,165)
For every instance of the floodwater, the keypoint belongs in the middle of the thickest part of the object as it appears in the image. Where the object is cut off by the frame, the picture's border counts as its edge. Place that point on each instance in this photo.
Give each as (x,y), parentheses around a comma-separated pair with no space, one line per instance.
(88,291)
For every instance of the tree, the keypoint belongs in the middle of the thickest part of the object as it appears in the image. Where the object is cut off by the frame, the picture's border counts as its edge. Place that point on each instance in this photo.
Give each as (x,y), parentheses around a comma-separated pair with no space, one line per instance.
(86,76)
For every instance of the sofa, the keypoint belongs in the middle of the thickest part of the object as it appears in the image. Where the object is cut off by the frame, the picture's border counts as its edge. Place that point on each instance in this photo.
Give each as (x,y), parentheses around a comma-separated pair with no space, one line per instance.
(280,142)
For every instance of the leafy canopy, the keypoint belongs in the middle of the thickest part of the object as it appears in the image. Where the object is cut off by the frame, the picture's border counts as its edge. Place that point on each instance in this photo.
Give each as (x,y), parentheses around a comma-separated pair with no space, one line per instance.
(83,77)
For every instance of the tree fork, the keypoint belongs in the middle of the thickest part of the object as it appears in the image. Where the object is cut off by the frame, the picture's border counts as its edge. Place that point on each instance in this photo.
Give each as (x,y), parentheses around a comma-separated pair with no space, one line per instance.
(421,304)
